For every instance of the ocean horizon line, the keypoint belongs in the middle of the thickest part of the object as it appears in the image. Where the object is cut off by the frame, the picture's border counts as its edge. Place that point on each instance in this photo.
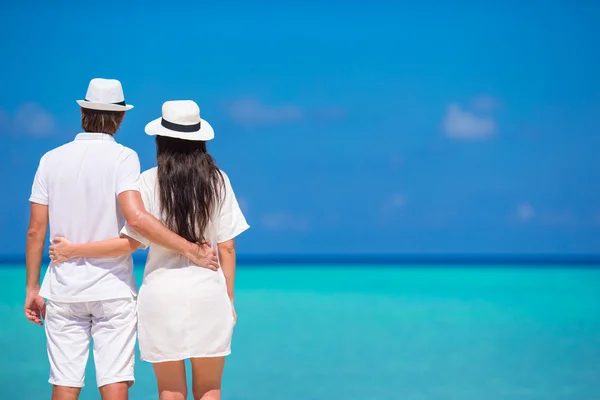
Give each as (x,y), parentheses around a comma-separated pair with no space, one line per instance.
(391,260)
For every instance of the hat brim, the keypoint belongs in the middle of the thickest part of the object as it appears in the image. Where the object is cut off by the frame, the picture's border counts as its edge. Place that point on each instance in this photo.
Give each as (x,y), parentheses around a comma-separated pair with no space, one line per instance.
(205,133)
(103,106)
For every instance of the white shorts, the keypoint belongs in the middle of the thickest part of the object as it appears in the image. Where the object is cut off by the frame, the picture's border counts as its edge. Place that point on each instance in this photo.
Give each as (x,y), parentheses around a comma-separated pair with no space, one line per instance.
(70,326)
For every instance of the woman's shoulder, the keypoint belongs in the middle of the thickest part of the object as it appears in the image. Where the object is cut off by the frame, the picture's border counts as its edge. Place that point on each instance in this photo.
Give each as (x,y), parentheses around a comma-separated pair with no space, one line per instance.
(224,175)
(149,174)
(148,178)
(225,183)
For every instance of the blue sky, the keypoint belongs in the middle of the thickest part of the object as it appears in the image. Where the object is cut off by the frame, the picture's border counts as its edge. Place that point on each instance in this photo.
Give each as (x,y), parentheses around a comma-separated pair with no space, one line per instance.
(346,127)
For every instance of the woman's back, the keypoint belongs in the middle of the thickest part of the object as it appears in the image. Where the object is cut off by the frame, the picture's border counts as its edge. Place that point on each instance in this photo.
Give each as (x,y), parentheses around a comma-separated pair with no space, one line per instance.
(176,293)
(226,222)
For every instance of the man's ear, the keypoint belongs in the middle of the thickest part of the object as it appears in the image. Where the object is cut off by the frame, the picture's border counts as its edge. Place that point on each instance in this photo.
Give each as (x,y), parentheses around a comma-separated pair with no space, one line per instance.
(122,115)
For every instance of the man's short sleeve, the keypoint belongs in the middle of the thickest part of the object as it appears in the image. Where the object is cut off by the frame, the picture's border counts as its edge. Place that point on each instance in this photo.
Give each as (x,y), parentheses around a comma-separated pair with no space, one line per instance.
(39,190)
(231,221)
(129,231)
(128,172)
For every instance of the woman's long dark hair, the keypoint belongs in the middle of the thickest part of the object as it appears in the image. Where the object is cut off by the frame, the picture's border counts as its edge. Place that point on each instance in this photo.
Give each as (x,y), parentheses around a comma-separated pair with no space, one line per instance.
(189,184)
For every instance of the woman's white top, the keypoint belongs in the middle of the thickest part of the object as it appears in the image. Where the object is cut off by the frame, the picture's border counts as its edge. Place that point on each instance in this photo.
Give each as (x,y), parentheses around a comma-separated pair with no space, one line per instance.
(183,309)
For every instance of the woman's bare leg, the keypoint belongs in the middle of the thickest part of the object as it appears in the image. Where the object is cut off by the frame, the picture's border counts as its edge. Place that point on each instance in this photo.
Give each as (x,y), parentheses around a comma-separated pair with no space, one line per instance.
(170,377)
(206,377)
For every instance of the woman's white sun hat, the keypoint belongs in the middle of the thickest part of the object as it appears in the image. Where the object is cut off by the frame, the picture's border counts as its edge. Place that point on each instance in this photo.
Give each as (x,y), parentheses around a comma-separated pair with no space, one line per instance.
(181,120)
(105,95)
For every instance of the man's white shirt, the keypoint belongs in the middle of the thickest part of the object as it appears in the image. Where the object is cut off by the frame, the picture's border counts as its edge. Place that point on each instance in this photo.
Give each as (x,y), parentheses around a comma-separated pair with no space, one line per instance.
(80,182)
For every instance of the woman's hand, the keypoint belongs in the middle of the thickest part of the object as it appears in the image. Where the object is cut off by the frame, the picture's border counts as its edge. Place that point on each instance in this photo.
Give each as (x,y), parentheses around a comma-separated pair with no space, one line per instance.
(61,250)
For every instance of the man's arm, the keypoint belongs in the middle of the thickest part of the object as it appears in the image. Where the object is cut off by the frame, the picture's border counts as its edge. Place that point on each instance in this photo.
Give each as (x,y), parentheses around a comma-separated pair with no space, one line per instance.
(152,229)
(36,235)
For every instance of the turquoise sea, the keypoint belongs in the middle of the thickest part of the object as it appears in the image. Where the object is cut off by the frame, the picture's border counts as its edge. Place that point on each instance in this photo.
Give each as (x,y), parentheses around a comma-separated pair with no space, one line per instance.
(380,333)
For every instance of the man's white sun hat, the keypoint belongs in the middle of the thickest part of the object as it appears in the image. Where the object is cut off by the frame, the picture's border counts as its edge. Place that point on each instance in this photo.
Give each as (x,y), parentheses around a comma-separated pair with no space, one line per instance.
(105,95)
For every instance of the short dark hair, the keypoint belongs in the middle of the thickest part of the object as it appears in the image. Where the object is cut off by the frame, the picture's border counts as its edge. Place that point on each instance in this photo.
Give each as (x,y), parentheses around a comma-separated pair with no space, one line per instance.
(101,121)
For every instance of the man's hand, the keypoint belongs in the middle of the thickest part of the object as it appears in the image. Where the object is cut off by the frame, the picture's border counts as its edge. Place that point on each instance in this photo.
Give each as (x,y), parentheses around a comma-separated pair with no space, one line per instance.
(203,256)
(35,308)
(61,250)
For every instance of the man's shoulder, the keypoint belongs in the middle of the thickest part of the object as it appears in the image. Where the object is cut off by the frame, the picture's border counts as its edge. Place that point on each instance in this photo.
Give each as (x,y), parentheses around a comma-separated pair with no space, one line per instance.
(125,149)
(57,152)
(124,152)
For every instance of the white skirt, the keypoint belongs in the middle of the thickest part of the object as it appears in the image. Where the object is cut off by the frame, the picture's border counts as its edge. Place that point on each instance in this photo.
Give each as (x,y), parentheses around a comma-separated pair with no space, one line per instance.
(184,313)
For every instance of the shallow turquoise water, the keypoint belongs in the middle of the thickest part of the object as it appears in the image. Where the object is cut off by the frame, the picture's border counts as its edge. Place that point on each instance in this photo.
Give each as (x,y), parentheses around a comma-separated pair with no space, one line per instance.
(375,333)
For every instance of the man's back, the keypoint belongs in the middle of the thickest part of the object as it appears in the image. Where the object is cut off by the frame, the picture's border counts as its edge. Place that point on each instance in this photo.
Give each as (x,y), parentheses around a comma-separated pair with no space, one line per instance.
(80,182)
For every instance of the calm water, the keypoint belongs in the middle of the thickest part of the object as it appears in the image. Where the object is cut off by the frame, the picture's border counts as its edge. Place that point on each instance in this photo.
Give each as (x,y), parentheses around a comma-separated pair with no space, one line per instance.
(375,333)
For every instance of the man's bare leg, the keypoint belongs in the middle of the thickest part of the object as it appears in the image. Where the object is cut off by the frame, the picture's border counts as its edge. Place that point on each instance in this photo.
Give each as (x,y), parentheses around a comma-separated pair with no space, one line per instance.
(65,393)
(115,391)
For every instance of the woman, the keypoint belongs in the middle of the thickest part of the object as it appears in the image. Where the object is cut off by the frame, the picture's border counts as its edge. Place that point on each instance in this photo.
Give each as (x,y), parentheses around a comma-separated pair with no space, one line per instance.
(184,311)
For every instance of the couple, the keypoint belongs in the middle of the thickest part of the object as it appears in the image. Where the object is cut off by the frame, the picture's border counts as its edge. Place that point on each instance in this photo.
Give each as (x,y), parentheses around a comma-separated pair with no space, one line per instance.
(99,210)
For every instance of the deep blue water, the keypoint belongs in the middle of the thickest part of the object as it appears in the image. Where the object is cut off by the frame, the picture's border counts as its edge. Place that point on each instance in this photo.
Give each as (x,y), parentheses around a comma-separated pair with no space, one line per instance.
(375,333)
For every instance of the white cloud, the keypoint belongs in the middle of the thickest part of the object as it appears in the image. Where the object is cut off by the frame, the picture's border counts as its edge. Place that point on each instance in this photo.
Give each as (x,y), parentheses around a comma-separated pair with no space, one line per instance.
(395,161)
(546,217)
(525,212)
(329,113)
(461,124)
(29,119)
(285,221)
(33,119)
(17,158)
(398,200)
(392,204)
(486,103)
(252,112)
(558,218)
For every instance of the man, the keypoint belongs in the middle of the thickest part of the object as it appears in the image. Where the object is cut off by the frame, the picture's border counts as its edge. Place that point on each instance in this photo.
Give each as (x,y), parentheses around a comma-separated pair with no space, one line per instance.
(86,190)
